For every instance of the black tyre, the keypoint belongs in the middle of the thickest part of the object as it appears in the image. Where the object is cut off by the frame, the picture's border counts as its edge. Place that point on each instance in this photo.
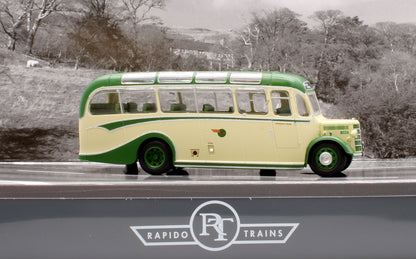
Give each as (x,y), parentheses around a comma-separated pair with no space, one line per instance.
(155,157)
(131,169)
(348,163)
(327,159)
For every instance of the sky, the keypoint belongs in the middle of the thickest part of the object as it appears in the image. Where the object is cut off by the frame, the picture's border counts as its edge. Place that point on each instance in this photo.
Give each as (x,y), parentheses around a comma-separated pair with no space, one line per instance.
(228,15)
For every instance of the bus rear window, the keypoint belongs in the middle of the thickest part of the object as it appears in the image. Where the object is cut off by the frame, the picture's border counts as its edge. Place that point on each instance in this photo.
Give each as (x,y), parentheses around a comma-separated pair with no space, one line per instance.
(123,101)
(105,102)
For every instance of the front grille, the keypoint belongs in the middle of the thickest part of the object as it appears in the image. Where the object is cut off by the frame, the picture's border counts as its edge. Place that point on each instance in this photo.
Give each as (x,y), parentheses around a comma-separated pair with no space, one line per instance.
(358,143)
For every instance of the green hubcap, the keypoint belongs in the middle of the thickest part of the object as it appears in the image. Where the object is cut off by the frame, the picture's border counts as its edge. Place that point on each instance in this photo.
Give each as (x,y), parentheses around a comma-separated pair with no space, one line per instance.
(326,158)
(154,157)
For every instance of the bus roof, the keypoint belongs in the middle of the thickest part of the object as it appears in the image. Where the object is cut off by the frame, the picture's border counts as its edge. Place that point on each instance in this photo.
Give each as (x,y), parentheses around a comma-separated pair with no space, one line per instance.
(195,78)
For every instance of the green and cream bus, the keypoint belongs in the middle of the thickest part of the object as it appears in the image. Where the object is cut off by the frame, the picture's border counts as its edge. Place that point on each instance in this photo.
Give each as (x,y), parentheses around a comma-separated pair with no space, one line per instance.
(255,120)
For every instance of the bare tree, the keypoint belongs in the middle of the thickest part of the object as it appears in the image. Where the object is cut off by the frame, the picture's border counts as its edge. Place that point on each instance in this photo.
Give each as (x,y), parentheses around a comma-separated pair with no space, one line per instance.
(30,13)
(250,38)
(138,12)
(12,17)
(271,38)
(38,11)
(327,19)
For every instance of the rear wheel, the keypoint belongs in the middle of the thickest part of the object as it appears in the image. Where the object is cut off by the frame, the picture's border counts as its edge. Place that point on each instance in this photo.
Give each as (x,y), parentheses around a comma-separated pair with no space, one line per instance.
(155,157)
(131,169)
(327,159)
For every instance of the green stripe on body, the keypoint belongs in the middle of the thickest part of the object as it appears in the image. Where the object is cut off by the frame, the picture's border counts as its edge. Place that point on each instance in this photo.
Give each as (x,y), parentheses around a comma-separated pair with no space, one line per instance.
(127,153)
(118,124)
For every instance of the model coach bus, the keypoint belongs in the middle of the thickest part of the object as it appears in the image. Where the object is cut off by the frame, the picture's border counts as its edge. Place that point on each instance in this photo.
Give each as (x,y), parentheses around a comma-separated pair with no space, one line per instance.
(256,120)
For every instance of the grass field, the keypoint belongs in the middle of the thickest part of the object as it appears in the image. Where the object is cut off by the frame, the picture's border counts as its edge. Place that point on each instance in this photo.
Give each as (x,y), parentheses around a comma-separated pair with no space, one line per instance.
(39,109)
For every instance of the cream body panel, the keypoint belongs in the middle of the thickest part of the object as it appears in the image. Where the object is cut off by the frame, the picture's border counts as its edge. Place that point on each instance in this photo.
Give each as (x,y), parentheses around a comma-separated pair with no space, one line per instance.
(96,140)
(246,141)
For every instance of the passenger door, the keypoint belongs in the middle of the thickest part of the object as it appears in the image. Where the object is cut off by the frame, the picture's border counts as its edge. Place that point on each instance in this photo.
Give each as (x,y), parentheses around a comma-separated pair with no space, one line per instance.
(284,128)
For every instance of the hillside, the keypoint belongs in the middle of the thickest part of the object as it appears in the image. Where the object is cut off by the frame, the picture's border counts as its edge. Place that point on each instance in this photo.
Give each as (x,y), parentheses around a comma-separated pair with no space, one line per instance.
(41,97)
(39,109)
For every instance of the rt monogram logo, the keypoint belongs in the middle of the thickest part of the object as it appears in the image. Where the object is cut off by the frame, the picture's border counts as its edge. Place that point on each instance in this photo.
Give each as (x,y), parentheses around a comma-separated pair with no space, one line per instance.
(215,221)
(215,225)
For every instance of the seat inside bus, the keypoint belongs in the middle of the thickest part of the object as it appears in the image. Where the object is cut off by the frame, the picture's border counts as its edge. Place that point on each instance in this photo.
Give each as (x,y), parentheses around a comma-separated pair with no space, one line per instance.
(130,107)
(208,108)
(284,111)
(149,107)
(178,107)
(105,108)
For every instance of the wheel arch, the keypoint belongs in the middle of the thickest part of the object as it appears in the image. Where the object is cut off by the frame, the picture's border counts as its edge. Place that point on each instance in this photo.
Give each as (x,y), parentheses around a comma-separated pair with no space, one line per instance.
(329,139)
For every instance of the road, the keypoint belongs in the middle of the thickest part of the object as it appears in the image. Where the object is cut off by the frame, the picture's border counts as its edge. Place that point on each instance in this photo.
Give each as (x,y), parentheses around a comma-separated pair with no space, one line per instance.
(95,180)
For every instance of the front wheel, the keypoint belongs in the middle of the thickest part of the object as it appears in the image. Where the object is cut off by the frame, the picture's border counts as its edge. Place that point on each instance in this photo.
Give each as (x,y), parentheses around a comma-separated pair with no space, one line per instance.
(327,159)
(155,157)
(348,163)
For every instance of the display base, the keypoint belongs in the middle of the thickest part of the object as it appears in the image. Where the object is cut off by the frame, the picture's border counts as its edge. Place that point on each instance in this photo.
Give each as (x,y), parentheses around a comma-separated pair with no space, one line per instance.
(106,214)
(364,227)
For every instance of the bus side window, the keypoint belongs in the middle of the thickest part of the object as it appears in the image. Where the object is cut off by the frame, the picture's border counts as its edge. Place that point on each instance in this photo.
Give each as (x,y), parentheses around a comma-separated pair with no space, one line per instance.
(252,101)
(281,103)
(215,100)
(301,105)
(138,101)
(105,102)
(177,100)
